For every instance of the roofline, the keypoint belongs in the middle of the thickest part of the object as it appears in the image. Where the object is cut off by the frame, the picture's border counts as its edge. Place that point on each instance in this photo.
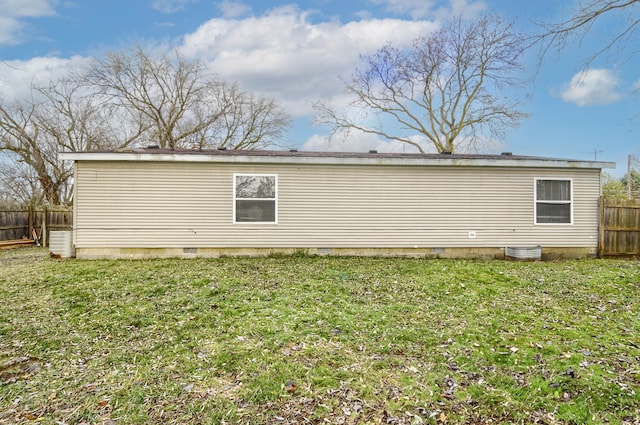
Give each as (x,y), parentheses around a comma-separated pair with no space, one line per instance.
(332,158)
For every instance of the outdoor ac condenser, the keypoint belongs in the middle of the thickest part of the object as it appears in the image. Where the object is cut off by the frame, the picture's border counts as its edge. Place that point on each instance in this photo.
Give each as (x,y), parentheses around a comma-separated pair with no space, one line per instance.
(61,243)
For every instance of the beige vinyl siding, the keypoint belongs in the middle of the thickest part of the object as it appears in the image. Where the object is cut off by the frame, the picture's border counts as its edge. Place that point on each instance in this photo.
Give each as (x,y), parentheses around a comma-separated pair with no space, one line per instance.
(177,204)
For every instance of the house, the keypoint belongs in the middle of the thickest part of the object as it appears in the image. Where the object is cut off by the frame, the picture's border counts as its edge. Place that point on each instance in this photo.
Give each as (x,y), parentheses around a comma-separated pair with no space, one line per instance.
(152,202)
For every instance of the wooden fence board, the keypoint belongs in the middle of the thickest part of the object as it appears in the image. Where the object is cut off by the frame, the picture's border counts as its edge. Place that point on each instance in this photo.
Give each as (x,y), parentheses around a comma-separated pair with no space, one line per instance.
(20,224)
(619,230)
(14,224)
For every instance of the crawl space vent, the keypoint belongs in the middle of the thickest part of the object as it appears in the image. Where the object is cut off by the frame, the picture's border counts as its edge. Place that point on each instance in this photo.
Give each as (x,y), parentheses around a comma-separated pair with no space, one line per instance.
(527,253)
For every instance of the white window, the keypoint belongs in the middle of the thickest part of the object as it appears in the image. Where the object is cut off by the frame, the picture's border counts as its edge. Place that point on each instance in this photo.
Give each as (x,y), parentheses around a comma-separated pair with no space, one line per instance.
(255,198)
(554,201)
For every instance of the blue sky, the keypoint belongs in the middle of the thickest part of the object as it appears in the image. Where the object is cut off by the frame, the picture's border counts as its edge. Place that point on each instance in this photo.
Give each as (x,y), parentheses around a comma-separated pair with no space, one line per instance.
(295,51)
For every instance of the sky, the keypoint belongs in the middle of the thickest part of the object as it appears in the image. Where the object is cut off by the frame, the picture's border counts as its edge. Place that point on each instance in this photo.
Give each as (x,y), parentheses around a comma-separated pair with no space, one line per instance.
(299,52)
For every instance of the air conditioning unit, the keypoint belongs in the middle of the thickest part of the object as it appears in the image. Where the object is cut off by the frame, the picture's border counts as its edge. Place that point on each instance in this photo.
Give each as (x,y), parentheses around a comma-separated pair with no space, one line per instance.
(61,243)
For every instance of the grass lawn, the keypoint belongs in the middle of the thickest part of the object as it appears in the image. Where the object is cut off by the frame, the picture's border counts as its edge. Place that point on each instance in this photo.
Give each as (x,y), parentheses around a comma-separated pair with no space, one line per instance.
(294,340)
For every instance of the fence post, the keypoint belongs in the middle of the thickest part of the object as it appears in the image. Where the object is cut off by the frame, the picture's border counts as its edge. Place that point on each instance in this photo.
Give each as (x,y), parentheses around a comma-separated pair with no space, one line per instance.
(30,213)
(601,225)
(45,222)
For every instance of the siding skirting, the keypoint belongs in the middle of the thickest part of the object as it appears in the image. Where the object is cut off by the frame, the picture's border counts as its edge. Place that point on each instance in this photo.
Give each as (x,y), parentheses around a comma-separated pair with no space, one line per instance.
(485,253)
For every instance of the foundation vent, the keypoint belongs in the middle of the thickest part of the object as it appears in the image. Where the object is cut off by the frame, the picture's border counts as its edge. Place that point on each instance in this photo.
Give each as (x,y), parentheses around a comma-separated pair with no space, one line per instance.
(530,253)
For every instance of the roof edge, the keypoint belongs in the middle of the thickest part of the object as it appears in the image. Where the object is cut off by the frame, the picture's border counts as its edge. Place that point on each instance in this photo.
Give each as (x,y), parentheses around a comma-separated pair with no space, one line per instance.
(332,158)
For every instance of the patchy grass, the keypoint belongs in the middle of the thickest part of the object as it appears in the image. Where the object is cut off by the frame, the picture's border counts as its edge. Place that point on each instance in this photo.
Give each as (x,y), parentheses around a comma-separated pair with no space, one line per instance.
(289,340)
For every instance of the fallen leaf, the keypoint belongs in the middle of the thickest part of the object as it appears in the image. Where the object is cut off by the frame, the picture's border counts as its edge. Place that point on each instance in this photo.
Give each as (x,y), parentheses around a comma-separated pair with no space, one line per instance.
(290,386)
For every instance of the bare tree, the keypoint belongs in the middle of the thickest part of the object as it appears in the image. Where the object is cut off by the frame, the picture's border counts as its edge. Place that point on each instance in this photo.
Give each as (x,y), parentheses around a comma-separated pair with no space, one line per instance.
(446,88)
(245,121)
(182,104)
(19,183)
(57,118)
(77,121)
(586,15)
(128,98)
(21,135)
(252,121)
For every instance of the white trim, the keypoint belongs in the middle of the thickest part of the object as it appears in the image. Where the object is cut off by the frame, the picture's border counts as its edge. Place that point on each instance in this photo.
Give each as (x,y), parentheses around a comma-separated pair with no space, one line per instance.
(535,201)
(275,199)
(328,159)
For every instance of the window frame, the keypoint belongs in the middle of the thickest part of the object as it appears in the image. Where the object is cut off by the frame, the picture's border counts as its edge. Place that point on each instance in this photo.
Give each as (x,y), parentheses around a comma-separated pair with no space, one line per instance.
(558,202)
(274,199)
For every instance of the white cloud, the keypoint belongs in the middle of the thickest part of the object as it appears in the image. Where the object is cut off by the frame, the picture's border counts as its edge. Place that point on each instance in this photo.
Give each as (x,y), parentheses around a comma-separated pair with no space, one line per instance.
(358,141)
(284,55)
(9,28)
(17,77)
(232,9)
(27,8)
(414,8)
(593,87)
(13,11)
(463,7)
(170,6)
(420,9)
(355,141)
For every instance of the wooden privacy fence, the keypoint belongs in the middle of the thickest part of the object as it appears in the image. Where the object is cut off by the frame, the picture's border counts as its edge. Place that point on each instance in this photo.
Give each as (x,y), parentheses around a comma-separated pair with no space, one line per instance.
(619,229)
(33,224)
